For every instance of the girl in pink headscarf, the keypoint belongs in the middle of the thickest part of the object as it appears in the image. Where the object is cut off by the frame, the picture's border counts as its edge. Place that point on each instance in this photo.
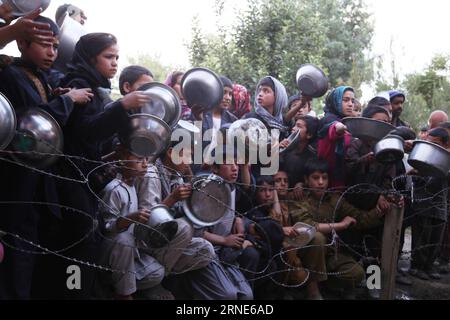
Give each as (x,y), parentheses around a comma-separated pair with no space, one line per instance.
(174,81)
(240,105)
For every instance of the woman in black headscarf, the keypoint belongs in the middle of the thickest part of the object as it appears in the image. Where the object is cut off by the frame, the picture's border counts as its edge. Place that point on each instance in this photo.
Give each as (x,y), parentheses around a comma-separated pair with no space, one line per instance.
(93,64)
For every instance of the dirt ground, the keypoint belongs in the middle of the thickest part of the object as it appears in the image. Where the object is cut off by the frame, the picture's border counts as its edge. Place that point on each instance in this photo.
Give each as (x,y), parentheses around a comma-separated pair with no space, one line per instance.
(421,290)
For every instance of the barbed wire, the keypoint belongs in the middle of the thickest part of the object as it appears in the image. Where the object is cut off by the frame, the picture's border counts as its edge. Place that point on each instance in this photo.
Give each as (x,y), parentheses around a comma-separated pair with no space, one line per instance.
(409,193)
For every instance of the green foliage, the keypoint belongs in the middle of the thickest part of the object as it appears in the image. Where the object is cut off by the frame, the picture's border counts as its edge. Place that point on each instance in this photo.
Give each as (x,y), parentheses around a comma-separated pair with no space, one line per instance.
(274,37)
(153,63)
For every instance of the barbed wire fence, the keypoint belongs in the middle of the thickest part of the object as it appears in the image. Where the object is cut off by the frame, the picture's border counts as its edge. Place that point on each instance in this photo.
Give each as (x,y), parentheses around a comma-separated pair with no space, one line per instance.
(361,251)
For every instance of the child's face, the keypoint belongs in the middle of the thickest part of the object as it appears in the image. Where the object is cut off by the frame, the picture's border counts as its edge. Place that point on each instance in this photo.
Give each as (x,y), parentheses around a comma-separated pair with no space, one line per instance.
(301,125)
(136,166)
(281,184)
(348,102)
(318,181)
(143,79)
(106,62)
(264,194)
(42,56)
(227,95)
(381,117)
(229,172)
(266,97)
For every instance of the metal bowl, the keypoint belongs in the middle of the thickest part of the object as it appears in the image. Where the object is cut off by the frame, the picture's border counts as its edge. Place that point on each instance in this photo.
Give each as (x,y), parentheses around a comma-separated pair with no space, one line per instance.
(429,159)
(146,135)
(24,7)
(202,87)
(37,136)
(368,130)
(293,140)
(164,103)
(305,235)
(160,229)
(70,33)
(8,122)
(390,149)
(250,132)
(312,81)
(209,202)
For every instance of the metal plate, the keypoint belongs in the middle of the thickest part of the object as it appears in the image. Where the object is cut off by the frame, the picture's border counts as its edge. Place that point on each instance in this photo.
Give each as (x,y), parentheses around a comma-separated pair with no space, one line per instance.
(210,200)
(8,122)
(293,139)
(24,7)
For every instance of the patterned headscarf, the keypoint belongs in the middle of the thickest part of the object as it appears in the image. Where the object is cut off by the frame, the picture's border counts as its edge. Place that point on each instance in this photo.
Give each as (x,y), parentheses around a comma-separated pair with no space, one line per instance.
(240,105)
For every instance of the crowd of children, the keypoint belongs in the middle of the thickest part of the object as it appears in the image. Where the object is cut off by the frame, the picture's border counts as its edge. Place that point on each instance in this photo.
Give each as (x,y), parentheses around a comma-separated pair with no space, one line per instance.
(251,252)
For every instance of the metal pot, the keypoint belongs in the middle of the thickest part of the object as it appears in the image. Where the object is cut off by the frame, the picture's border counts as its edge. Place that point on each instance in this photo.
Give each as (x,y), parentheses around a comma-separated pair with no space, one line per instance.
(71,31)
(160,229)
(429,159)
(249,132)
(8,122)
(164,103)
(24,7)
(209,202)
(368,130)
(146,135)
(312,81)
(37,131)
(203,88)
(389,149)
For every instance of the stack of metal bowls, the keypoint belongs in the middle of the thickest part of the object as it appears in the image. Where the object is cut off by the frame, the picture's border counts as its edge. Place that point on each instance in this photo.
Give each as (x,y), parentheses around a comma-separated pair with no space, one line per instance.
(8,122)
(38,140)
(202,88)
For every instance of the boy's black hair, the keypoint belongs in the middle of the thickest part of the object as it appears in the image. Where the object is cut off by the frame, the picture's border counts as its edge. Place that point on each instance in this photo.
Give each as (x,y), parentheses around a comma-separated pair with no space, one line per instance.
(313,165)
(312,125)
(439,133)
(378,102)
(261,180)
(370,111)
(226,82)
(445,125)
(224,155)
(132,74)
(53,26)
(267,81)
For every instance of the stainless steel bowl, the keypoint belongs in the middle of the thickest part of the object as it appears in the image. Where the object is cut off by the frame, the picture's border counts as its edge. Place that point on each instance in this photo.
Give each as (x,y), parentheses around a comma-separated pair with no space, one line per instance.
(70,33)
(8,122)
(429,159)
(389,149)
(209,202)
(24,7)
(368,130)
(160,229)
(312,81)
(305,233)
(202,87)
(146,135)
(37,137)
(293,141)
(164,103)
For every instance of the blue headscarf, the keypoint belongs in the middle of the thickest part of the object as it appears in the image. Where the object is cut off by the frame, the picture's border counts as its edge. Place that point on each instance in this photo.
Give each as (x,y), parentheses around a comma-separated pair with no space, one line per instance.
(333,109)
(396,93)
